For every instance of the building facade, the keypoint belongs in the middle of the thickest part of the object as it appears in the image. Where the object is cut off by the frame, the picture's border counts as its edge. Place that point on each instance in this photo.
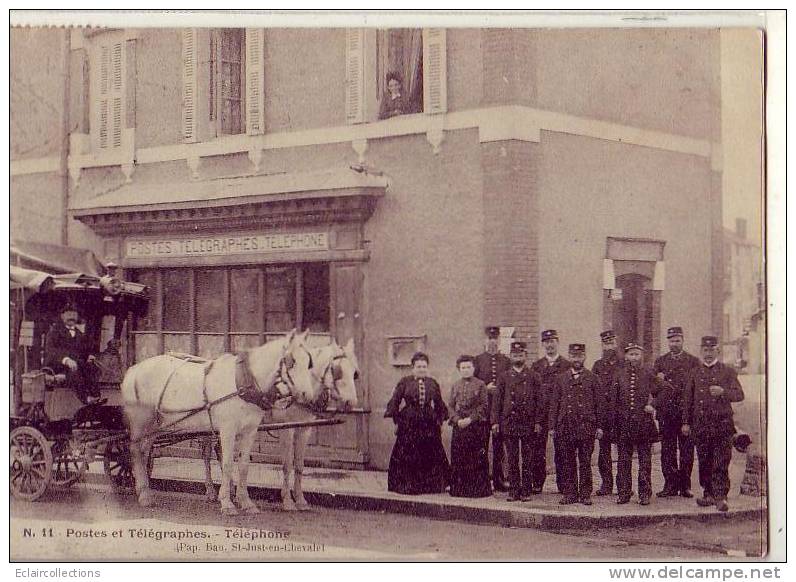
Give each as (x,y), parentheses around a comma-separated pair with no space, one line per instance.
(533,179)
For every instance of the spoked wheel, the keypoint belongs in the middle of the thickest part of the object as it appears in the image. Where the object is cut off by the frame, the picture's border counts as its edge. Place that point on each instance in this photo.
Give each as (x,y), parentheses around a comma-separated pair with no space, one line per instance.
(118,466)
(67,466)
(31,463)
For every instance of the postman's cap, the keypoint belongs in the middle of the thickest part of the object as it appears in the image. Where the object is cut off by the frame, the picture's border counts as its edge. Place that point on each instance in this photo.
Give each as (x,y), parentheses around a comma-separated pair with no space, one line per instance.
(518,346)
(549,334)
(674,331)
(633,346)
(577,348)
(608,334)
(492,332)
(710,341)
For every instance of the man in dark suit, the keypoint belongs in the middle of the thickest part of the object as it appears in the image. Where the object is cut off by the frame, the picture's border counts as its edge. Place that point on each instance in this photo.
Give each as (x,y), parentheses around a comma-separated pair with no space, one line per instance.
(576,418)
(674,367)
(67,351)
(490,365)
(604,369)
(633,423)
(710,390)
(515,415)
(547,368)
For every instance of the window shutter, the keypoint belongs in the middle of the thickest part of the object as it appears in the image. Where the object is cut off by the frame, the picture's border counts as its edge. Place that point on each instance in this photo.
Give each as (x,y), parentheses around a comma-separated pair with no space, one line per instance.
(255,81)
(189,85)
(103,96)
(118,87)
(435,71)
(354,75)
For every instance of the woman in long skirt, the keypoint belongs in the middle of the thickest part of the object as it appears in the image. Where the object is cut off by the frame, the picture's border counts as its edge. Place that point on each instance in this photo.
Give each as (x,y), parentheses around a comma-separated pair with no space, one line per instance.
(469,460)
(418,463)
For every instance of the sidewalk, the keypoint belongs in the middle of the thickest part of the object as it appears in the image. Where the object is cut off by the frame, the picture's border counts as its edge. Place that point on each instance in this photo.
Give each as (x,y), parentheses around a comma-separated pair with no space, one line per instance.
(367,490)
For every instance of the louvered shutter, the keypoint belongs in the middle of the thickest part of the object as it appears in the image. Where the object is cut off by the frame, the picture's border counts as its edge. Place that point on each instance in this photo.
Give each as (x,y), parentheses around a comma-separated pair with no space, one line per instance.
(255,81)
(435,71)
(118,87)
(103,96)
(110,86)
(354,75)
(189,85)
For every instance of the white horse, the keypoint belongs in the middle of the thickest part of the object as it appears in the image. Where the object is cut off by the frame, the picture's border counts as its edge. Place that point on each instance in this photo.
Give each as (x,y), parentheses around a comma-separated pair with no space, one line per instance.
(334,371)
(166,392)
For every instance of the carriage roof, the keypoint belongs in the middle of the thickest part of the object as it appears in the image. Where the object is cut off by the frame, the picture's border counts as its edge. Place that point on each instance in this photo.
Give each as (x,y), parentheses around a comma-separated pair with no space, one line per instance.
(98,294)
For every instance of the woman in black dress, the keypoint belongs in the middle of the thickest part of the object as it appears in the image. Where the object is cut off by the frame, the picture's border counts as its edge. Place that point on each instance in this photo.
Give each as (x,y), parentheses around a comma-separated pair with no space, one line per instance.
(469,460)
(418,463)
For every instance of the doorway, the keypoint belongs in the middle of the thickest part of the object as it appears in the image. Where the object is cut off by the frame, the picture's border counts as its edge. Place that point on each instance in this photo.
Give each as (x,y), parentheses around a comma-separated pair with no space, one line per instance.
(633,313)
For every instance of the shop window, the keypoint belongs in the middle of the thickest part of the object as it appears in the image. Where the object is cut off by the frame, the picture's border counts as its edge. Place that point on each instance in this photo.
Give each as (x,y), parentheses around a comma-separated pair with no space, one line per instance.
(316,298)
(280,298)
(149,320)
(176,299)
(244,300)
(227,76)
(208,311)
(211,300)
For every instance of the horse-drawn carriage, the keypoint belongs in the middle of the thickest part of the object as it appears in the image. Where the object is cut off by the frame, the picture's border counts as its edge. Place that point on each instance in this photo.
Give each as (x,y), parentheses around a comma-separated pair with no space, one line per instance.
(54,436)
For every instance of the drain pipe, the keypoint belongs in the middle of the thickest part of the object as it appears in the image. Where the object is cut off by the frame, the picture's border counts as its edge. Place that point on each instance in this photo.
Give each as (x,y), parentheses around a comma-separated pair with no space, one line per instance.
(63,167)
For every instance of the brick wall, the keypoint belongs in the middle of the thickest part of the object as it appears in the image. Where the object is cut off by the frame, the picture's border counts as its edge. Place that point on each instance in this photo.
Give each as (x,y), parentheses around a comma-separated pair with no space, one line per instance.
(511,294)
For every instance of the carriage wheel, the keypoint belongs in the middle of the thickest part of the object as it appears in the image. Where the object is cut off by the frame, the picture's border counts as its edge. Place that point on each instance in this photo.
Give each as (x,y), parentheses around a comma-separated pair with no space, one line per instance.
(118,466)
(67,467)
(31,463)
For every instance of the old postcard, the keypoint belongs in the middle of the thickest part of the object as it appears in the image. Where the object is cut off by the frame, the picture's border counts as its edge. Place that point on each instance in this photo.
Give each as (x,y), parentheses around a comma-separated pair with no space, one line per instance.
(489,288)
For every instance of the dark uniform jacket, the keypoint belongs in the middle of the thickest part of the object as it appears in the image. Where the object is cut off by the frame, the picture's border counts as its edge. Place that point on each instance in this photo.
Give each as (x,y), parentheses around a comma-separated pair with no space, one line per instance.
(517,404)
(576,408)
(60,344)
(711,416)
(547,374)
(633,388)
(489,368)
(670,399)
(412,416)
(604,369)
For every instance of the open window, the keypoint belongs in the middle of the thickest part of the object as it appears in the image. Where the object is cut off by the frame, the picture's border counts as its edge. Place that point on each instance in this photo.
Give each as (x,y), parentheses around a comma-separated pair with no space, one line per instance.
(227,81)
(394,72)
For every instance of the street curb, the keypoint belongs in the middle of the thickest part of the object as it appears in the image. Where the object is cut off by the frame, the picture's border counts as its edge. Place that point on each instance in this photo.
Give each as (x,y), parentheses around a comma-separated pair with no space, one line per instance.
(508,517)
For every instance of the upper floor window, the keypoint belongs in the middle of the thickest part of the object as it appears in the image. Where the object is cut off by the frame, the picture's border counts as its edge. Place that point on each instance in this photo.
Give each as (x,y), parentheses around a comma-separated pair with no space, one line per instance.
(108,88)
(399,71)
(226,97)
(227,80)
(395,72)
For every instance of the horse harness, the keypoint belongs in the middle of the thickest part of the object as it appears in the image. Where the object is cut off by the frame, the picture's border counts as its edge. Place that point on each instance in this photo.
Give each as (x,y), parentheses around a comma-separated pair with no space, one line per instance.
(246,386)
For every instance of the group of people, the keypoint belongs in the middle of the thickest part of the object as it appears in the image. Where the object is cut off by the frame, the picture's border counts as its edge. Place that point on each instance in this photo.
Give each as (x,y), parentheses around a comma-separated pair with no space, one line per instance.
(683,401)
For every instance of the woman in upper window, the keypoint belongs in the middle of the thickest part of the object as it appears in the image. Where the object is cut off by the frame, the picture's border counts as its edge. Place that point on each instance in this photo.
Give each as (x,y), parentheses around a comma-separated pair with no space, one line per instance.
(394,101)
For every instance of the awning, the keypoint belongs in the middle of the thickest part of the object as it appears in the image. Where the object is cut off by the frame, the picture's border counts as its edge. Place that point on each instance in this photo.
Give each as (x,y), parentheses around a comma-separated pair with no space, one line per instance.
(54,259)
(231,191)
(29,280)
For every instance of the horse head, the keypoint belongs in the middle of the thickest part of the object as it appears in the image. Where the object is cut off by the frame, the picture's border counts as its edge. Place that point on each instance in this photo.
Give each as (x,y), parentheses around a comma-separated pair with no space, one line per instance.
(285,362)
(337,372)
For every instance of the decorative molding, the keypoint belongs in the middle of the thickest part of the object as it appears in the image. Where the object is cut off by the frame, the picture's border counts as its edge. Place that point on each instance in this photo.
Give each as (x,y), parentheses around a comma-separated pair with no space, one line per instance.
(435,134)
(127,170)
(256,158)
(511,122)
(360,147)
(331,209)
(193,164)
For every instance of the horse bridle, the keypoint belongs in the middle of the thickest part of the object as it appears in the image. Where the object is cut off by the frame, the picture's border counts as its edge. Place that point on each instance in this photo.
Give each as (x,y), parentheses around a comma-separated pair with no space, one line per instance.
(286,363)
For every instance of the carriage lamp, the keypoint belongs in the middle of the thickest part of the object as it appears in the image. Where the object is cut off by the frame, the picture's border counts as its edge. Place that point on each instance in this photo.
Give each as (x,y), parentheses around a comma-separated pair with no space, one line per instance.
(112,285)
